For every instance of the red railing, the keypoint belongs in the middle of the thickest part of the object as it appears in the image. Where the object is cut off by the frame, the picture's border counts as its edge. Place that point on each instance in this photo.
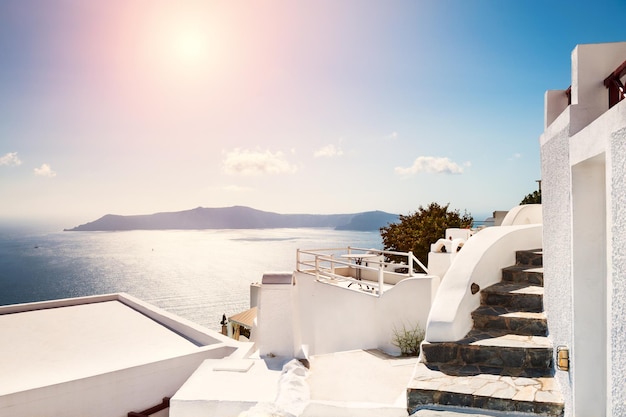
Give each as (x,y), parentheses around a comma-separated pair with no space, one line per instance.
(146,413)
(614,83)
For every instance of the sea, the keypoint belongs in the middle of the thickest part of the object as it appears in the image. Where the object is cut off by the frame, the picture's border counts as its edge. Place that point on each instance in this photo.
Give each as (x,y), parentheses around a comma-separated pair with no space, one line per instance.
(196,274)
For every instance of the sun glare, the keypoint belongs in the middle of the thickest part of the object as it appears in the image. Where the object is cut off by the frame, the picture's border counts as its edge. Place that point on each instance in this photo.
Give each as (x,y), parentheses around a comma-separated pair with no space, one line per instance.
(177,45)
(191,46)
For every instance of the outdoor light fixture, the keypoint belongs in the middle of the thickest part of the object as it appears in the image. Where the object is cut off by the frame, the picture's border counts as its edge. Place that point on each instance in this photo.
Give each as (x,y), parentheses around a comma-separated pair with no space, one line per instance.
(562,358)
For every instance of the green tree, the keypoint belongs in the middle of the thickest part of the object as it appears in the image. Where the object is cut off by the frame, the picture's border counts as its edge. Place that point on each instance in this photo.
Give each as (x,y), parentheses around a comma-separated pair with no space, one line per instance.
(532,198)
(415,232)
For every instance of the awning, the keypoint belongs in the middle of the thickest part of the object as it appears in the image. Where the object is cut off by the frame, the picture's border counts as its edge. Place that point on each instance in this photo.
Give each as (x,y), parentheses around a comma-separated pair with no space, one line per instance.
(245,318)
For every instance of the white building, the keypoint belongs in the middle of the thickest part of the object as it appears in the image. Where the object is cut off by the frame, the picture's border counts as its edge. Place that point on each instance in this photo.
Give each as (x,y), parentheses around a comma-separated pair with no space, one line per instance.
(583,162)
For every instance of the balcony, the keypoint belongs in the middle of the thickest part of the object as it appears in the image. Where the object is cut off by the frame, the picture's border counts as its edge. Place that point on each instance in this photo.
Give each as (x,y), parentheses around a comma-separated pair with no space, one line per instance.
(361,269)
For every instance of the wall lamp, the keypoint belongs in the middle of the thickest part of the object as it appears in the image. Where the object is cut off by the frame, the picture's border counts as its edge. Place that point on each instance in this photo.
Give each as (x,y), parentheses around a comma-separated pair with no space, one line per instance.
(562,358)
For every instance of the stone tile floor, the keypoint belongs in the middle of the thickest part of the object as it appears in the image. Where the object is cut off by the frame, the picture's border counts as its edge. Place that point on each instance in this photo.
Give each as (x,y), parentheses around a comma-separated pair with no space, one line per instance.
(488,387)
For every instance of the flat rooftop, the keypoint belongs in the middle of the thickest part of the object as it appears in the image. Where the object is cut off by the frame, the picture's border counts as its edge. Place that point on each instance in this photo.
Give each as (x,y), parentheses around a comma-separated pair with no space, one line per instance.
(358,382)
(361,377)
(53,345)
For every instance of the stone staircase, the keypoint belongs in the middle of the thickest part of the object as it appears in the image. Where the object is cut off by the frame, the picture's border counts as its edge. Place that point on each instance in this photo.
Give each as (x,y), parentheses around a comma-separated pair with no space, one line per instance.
(505,362)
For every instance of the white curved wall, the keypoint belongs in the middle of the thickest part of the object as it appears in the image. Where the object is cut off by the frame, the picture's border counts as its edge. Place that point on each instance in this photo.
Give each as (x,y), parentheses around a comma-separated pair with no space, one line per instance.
(480,261)
(524,214)
(334,319)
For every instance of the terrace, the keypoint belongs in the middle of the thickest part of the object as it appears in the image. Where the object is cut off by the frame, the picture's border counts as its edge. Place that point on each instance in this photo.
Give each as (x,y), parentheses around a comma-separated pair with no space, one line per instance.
(369,270)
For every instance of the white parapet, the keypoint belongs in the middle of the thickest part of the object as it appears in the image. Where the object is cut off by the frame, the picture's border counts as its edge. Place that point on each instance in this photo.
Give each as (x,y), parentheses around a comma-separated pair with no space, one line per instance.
(442,254)
(480,262)
(524,214)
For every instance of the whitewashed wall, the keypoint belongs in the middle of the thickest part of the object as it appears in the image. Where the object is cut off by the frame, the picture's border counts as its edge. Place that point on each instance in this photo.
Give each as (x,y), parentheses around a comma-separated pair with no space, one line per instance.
(333,319)
(583,157)
(276,315)
(616,356)
(112,394)
(557,261)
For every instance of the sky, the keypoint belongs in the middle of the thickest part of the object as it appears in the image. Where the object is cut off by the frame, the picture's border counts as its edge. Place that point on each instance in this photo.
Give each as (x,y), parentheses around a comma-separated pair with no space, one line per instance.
(326,106)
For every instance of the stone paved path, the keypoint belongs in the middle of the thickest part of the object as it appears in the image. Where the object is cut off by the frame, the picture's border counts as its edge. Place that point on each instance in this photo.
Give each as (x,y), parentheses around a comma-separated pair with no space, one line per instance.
(487,390)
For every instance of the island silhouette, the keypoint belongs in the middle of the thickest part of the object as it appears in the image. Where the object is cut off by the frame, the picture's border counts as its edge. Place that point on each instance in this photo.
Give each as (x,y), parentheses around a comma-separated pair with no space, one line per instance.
(237,217)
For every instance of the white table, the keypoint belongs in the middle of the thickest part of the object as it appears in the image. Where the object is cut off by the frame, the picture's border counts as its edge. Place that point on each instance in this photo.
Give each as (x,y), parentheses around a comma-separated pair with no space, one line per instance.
(358,260)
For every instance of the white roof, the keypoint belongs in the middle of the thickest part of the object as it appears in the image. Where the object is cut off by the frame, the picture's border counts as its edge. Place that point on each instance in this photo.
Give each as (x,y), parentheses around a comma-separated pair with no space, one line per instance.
(48,346)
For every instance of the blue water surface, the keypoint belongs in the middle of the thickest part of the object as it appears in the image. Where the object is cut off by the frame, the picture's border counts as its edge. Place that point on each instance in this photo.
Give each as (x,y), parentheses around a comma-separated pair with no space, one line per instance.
(197,274)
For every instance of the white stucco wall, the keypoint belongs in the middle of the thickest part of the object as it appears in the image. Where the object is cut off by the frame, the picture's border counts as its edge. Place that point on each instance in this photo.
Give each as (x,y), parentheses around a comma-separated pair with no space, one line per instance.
(480,261)
(333,319)
(583,185)
(274,333)
(591,64)
(555,199)
(617,269)
(112,394)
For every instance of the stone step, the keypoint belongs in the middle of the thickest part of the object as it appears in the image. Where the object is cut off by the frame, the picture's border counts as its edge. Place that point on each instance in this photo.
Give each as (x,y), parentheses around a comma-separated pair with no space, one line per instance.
(533,257)
(492,352)
(511,320)
(430,386)
(514,295)
(523,273)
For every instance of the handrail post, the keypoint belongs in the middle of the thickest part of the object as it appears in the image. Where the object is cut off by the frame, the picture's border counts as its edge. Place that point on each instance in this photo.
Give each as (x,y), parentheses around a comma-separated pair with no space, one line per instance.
(332,264)
(410,263)
(421,265)
(297,259)
(317,267)
(381,278)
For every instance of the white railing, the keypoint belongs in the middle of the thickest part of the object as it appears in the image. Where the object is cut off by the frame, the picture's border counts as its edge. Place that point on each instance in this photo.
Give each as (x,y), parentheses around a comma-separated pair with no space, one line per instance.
(349,264)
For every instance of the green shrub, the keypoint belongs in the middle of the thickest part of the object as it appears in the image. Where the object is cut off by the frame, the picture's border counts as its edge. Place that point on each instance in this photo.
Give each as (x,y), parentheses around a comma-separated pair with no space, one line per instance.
(408,340)
(415,232)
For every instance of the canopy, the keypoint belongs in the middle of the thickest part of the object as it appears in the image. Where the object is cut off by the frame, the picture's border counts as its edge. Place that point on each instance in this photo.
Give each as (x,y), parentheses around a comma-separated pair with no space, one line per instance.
(245,318)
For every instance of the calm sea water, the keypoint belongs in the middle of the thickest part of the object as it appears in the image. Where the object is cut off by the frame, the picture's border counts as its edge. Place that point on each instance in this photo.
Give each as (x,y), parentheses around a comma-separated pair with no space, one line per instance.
(197,274)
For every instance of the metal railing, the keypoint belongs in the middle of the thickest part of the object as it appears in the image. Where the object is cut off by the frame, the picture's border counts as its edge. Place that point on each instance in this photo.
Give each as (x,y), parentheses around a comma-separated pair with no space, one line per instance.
(165,403)
(338,265)
(616,88)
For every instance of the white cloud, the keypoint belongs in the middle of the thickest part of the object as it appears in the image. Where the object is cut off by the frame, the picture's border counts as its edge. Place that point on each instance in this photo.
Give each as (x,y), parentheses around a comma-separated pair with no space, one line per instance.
(246,162)
(515,156)
(328,151)
(432,165)
(45,171)
(392,135)
(10,159)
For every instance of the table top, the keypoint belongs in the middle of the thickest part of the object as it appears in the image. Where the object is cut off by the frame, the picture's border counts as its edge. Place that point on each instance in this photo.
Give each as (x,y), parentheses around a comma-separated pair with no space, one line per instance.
(358,255)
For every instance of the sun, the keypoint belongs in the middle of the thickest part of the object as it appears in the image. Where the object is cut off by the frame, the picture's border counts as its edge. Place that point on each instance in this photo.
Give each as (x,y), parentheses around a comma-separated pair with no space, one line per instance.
(178,45)
(191,46)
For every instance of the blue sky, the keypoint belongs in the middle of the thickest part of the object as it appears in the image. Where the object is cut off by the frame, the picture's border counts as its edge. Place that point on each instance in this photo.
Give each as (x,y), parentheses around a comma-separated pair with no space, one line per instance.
(136,107)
